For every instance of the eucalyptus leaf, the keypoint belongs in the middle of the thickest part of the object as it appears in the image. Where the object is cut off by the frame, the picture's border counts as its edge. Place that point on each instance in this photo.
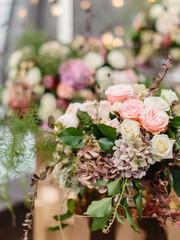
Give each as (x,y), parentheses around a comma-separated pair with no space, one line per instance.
(108,131)
(106,144)
(100,208)
(114,188)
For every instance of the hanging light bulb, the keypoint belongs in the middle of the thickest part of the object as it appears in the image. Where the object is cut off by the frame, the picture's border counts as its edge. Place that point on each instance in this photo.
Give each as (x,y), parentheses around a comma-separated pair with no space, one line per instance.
(119,31)
(117,3)
(56,10)
(33,2)
(85,5)
(22,13)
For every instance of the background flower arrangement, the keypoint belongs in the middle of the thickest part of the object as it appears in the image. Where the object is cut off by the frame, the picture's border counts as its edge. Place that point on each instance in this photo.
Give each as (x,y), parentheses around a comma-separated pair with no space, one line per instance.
(129,140)
(52,75)
(156,31)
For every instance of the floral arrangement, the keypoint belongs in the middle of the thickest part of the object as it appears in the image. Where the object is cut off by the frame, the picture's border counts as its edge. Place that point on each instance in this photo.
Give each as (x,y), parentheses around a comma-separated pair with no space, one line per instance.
(156,31)
(126,148)
(54,75)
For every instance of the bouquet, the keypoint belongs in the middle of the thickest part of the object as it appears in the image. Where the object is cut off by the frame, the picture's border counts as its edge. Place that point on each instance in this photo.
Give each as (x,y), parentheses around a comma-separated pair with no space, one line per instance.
(126,148)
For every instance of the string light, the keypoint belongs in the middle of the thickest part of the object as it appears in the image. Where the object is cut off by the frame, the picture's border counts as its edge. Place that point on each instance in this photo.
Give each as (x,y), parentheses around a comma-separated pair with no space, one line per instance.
(119,31)
(34,1)
(117,42)
(107,38)
(85,5)
(117,3)
(22,13)
(56,10)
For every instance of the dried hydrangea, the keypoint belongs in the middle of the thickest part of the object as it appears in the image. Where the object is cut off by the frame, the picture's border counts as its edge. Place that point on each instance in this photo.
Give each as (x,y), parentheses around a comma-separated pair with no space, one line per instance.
(95,164)
(133,158)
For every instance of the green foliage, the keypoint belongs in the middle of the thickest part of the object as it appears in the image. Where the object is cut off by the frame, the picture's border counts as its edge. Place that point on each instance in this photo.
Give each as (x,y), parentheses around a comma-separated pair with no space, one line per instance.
(175,171)
(119,218)
(114,188)
(106,144)
(71,205)
(100,222)
(138,202)
(72,137)
(100,182)
(108,131)
(84,118)
(175,122)
(100,208)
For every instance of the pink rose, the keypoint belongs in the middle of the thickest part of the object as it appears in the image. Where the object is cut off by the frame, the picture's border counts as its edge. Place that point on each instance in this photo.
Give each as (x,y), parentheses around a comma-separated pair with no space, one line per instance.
(154,120)
(119,93)
(131,109)
(64,91)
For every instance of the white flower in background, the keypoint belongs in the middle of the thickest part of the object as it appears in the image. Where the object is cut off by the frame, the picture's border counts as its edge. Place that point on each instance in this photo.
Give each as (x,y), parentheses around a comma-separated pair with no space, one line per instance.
(175,53)
(175,75)
(167,23)
(156,102)
(177,37)
(116,59)
(169,96)
(94,60)
(130,129)
(91,109)
(112,123)
(68,120)
(13,73)
(127,76)
(104,109)
(104,77)
(34,76)
(48,101)
(140,90)
(156,11)
(116,107)
(53,49)
(5,97)
(162,146)
(14,59)
(73,108)
(39,89)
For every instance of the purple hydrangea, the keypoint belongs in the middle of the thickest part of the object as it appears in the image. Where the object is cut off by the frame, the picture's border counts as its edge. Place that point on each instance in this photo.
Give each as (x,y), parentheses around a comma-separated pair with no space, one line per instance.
(75,73)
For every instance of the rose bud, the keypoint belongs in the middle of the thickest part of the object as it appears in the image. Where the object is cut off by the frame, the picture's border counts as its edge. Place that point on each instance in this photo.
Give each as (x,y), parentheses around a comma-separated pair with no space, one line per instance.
(49,82)
(61,104)
(166,41)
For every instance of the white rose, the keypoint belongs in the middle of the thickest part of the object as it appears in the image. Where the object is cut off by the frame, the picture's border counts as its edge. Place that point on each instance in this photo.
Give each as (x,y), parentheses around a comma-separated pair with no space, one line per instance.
(104,109)
(68,120)
(39,89)
(116,106)
(112,123)
(156,11)
(91,109)
(94,60)
(156,102)
(14,59)
(48,101)
(53,49)
(162,146)
(175,54)
(34,76)
(104,77)
(73,108)
(13,73)
(130,129)
(116,59)
(169,96)
(167,23)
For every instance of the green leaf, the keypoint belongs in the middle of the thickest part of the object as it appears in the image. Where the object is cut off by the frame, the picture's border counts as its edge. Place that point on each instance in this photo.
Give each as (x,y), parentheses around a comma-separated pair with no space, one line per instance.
(99,182)
(106,144)
(175,122)
(100,223)
(119,219)
(71,205)
(100,208)
(137,184)
(114,188)
(84,118)
(71,136)
(53,229)
(108,131)
(175,171)
(64,216)
(43,176)
(138,201)
(97,133)
(128,215)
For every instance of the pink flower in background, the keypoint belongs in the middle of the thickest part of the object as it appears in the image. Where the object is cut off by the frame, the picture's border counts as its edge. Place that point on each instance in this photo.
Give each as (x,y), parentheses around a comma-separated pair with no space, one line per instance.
(131,109)
(154,120)
(127,76)
(75,73)
(64,91)
(61,104)
(119,93)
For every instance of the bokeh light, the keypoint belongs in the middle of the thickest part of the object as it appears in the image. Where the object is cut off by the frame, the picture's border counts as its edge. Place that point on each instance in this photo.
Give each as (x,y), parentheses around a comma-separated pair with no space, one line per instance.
(56,10)
(117,3)
(33,2)
(107,38)
(117,42)
(85,5)
(22,13)
(119,31)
